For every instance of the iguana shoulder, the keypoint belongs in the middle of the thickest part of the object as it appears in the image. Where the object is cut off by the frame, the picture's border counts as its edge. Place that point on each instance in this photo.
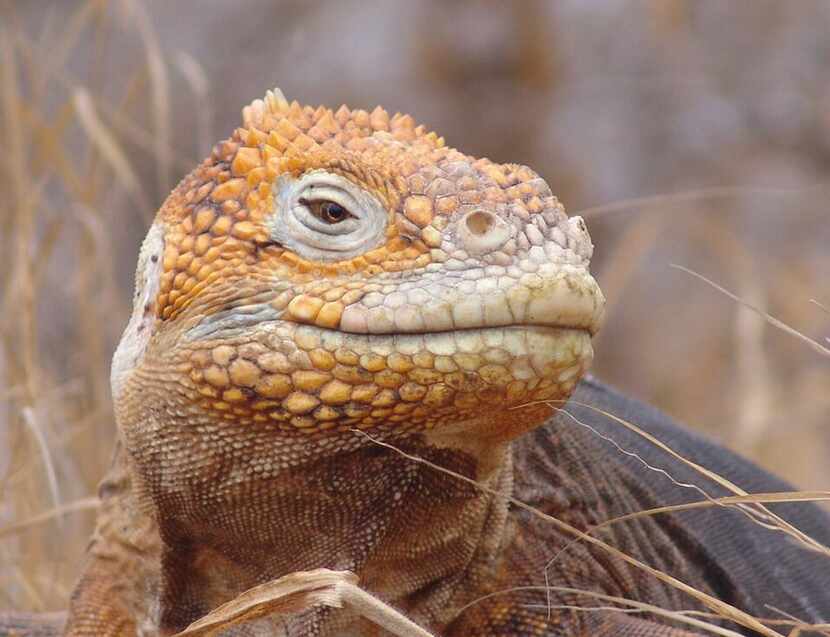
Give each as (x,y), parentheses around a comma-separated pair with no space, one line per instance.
(584,468)
(769,568)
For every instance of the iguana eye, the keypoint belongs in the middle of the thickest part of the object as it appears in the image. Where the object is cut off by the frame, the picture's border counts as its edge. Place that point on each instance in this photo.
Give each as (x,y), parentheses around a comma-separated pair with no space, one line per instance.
(325,217)
(328,211)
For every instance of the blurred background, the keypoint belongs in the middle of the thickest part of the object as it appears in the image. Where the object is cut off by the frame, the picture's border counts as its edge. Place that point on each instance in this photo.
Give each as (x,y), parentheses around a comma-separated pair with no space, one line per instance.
(691,133)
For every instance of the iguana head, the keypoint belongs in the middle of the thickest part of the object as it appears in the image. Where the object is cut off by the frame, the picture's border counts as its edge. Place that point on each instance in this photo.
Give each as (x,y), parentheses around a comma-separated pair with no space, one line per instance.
(325,271)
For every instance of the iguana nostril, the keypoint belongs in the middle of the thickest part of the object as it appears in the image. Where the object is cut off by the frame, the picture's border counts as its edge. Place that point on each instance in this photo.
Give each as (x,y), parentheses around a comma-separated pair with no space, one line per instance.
(481,232)
(479,222)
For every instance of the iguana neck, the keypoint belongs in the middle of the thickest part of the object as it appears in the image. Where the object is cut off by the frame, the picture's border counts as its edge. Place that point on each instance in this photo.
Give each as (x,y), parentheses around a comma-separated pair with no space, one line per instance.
(417,537)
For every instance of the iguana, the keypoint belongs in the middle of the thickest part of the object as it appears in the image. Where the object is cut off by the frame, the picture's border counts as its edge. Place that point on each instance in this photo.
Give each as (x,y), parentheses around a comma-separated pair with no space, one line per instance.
(327,280)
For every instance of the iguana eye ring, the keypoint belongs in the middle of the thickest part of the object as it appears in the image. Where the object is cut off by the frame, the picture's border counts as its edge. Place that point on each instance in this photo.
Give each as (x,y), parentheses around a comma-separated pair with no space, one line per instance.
(323,216)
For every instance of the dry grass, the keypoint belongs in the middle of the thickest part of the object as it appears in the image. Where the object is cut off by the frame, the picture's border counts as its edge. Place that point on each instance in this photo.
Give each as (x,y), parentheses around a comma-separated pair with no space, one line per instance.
(97,119)
(69,176)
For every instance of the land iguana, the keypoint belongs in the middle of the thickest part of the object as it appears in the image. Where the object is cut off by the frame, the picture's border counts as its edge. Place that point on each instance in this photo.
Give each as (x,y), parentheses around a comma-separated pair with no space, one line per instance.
(327,280)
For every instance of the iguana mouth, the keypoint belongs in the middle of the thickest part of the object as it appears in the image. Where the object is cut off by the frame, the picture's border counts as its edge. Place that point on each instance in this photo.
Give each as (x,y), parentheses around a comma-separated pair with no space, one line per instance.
(538,344)
(235,322)
(573,302)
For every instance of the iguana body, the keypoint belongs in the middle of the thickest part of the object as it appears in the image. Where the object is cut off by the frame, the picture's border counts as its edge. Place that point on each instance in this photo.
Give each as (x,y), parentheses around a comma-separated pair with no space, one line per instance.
(325,273)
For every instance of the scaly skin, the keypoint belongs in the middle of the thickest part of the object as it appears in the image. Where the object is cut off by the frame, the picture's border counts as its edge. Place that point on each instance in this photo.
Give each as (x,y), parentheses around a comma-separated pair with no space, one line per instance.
(270,327)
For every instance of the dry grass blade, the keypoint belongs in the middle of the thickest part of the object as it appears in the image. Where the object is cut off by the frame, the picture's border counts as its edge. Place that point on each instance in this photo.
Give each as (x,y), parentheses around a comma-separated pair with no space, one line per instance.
(104,141)
(85,504)
(722,608)
(12,115)
(629,253)
(684,617)
(815,345)
(300,591)
(198,82)
(19,328)
(24,579)
(823,307)
(160,94)
(43,446)
(60,45)
(22,272)
(826,309)
(761,514)
(753,498)
(380,613)
(799,625)
(131,131)
(287,595)
(700,194)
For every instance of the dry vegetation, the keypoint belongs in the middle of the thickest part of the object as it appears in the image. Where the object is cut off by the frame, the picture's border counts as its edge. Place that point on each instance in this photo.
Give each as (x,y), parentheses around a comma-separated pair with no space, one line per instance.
(105,105)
